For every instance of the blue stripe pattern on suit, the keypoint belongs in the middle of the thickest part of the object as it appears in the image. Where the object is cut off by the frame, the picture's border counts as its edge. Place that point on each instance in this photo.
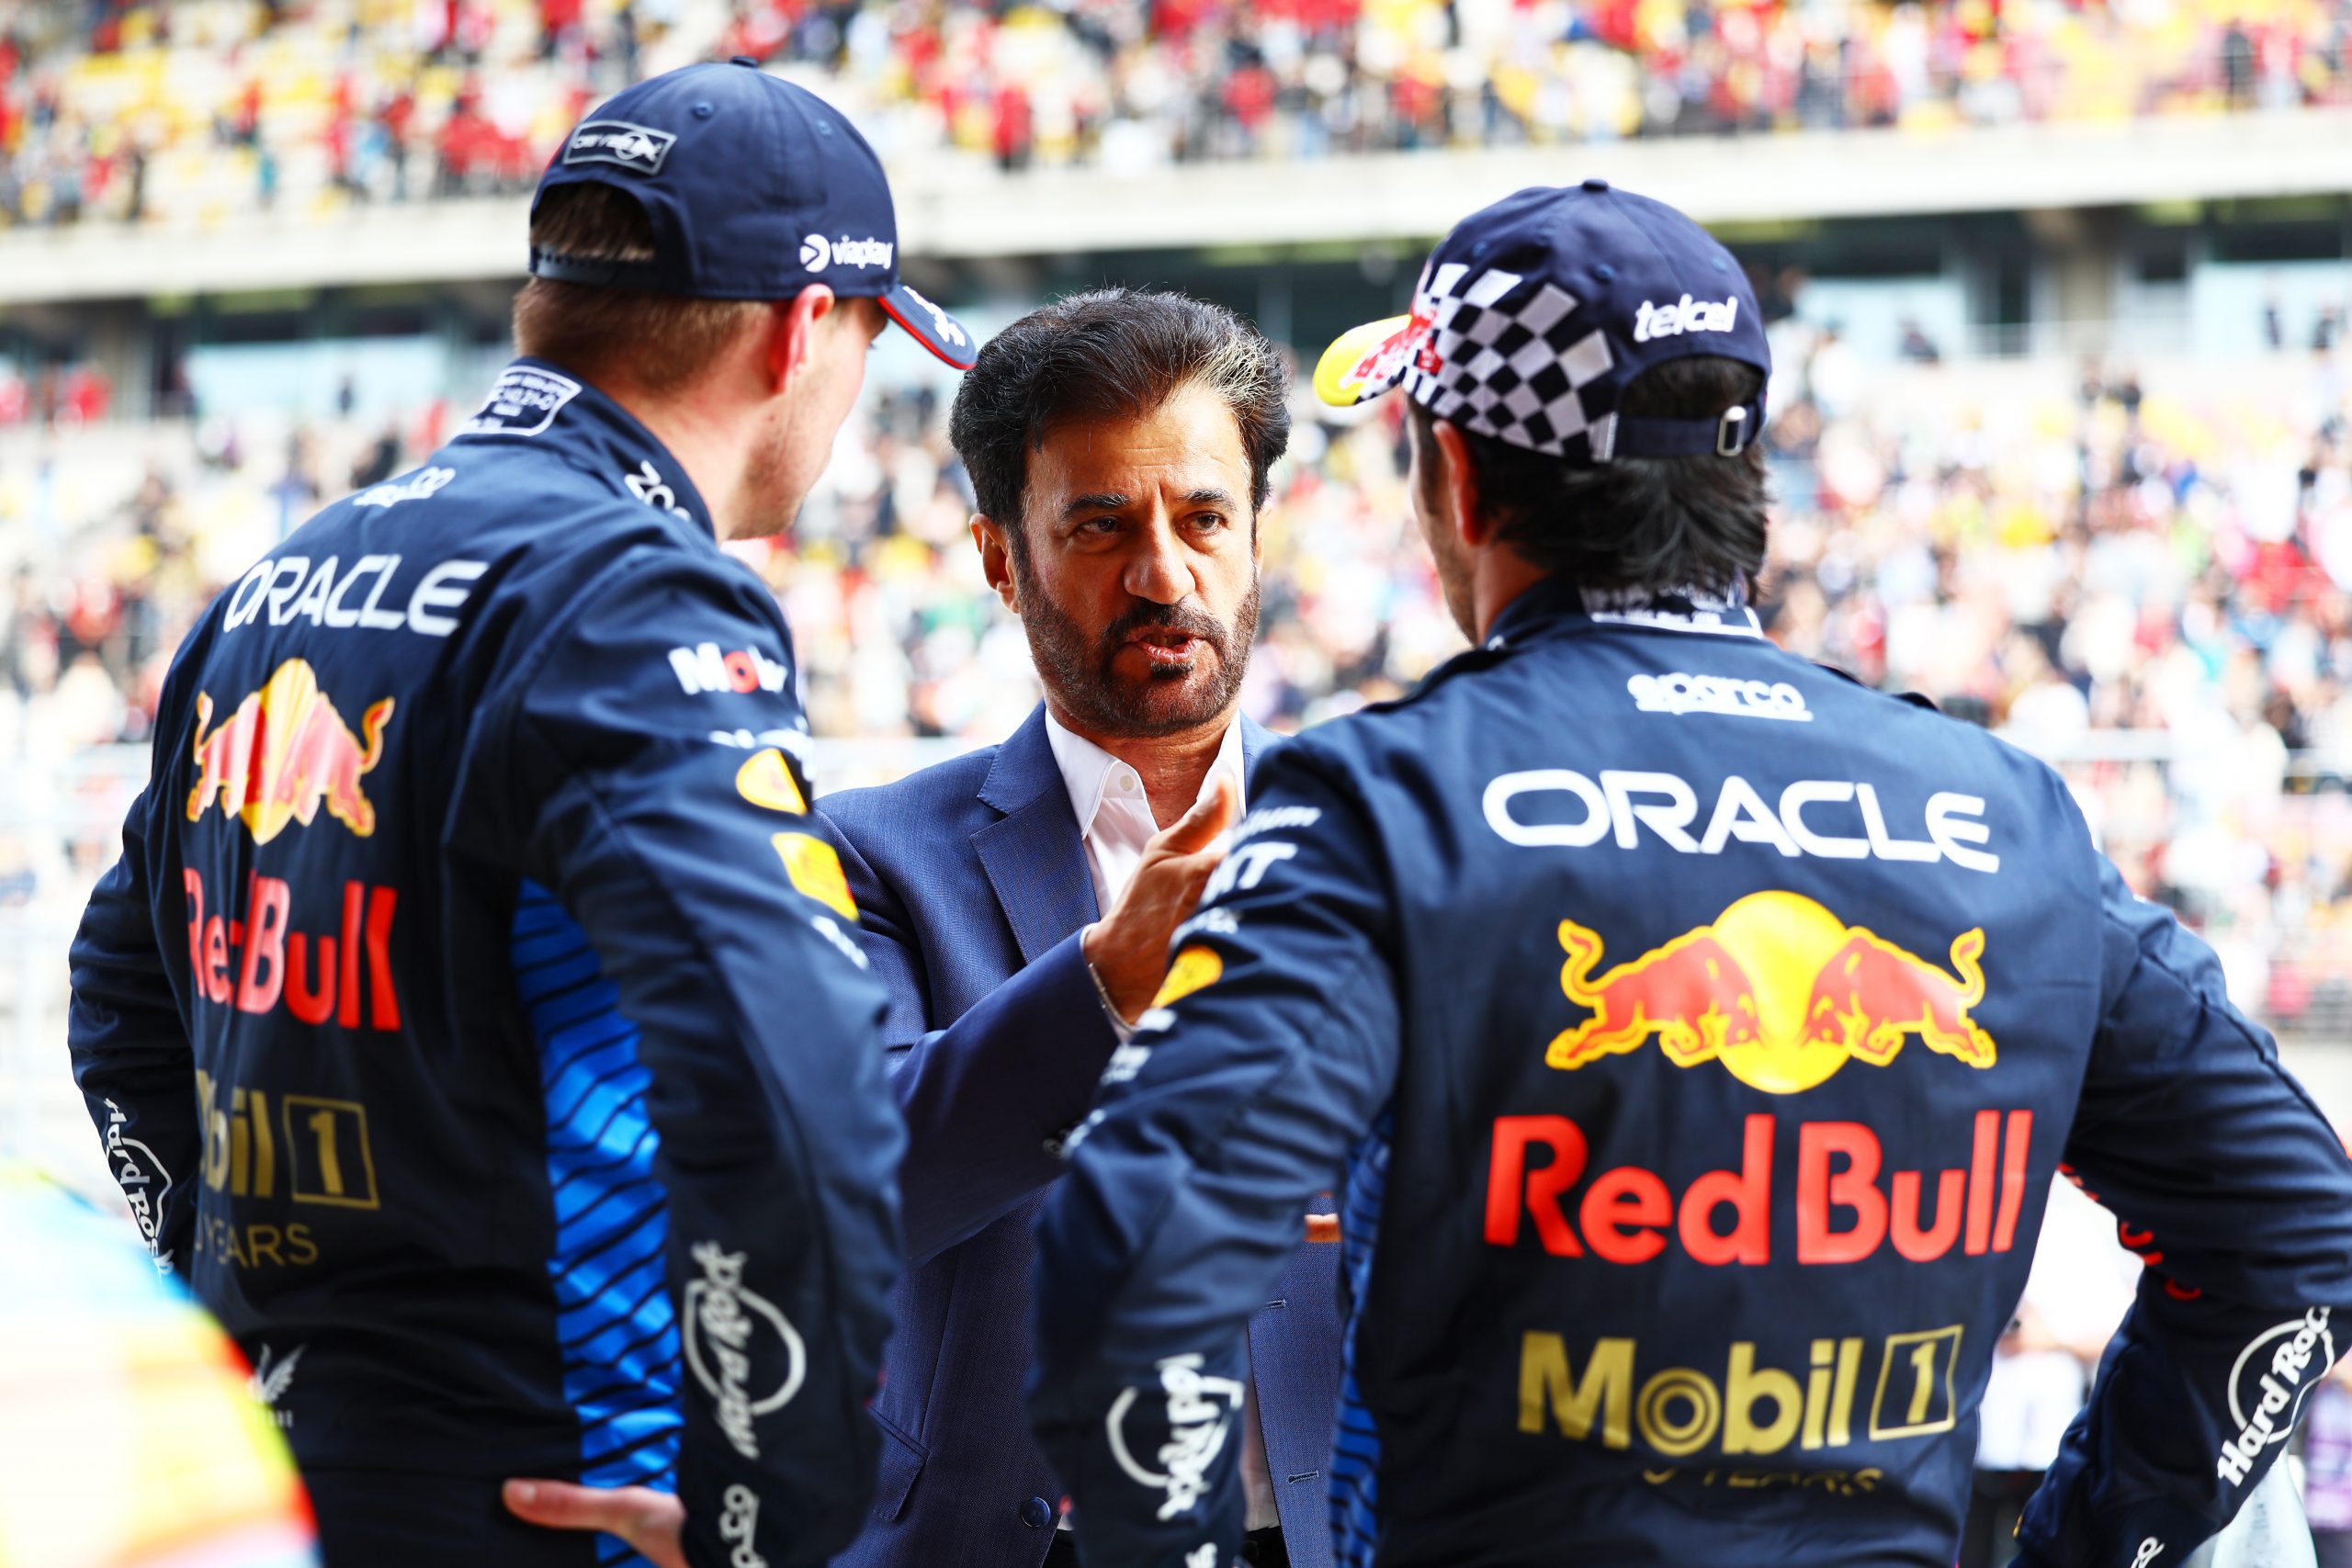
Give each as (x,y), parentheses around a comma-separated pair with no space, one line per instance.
(614,1324)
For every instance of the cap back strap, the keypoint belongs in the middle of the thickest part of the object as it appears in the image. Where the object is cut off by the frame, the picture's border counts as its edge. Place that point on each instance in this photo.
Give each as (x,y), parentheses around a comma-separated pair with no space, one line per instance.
(598,271)
(1727,436)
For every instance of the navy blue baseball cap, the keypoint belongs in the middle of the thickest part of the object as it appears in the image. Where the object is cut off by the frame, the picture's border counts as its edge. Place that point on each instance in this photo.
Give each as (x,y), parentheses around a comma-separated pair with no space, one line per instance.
(1533,316)
(756,190)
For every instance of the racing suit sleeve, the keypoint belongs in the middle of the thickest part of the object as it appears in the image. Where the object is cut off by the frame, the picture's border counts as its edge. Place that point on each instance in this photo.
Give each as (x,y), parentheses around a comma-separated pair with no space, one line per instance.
(987,1098)
(1269,1054)
(130,1050)
(714,900)
(2228,1181)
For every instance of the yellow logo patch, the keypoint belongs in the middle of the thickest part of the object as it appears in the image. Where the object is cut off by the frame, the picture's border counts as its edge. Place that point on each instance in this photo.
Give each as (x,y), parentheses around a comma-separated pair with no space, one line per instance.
(1193,969)
(766,780)
(816,870)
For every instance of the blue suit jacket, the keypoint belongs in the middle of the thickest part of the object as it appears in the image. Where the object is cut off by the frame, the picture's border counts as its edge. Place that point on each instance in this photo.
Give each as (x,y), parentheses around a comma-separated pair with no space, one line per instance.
(972,885)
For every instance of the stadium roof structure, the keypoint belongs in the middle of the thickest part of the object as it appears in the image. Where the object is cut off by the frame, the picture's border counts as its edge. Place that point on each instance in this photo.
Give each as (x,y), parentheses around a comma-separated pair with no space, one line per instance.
(962,207)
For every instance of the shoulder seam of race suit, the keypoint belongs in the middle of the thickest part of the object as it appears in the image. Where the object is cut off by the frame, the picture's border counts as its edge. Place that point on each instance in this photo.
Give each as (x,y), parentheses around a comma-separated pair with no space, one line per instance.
(1479,657)
(2237,1024)
(790,1113)
(614,574)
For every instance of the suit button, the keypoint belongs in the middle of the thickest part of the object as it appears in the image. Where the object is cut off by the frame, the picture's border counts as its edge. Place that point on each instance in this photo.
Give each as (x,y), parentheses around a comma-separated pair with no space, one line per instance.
(1036,1513)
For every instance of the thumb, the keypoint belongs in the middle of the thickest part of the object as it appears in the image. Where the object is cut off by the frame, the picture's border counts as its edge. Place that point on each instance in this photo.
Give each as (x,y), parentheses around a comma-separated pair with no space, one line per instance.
(560,1506)
(1198,829)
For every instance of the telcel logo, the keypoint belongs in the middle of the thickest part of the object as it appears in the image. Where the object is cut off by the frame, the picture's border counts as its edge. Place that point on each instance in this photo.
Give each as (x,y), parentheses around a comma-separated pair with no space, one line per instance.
(1684,315)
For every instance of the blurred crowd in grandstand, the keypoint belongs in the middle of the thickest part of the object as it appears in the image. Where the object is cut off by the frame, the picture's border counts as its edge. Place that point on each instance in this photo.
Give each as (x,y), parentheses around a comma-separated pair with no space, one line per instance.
(198,110)
(2152,582)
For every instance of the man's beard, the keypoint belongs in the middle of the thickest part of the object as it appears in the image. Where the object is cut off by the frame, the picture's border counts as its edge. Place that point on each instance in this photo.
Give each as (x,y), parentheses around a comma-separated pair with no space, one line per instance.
(1081,677)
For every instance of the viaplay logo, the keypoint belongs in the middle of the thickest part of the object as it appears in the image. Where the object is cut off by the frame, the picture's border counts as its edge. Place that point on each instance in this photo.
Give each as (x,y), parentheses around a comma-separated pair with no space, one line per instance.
(1779,990)
(818,253)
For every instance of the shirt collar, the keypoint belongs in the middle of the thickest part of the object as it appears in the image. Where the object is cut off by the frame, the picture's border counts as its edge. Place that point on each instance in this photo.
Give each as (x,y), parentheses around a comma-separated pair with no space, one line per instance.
(1091,774)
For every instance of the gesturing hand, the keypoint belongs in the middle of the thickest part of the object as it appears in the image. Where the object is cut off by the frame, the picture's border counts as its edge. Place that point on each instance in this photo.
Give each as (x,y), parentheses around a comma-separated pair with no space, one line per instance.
(1128,946)
(651,1521)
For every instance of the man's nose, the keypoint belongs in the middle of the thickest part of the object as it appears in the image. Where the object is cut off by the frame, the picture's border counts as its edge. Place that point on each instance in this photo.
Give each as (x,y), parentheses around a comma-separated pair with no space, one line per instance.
(1158,570)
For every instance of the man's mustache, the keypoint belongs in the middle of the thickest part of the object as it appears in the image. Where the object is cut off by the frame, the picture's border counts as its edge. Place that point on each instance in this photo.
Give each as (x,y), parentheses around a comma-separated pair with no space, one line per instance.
(1150,617)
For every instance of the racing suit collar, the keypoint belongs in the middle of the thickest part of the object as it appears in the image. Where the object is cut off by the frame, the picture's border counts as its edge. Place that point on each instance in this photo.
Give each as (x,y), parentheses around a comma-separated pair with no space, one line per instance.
(1560,598)
(534,400)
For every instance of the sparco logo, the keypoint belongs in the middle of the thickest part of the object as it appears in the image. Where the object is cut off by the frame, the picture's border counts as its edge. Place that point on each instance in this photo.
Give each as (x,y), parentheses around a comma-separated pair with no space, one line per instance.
(723,1322)
(637,148)
(1678,693)
(738,1525)
(144,1182)
(816,252)
(1199,1414)
(1684,315)
(2268,1386)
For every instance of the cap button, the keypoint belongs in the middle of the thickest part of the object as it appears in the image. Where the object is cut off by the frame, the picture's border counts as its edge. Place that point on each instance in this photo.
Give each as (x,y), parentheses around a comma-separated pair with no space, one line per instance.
(744,60)
(1596,184)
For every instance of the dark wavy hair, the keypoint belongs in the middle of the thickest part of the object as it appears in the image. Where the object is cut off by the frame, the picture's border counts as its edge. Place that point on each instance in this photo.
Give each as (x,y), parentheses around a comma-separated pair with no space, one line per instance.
(1111,354)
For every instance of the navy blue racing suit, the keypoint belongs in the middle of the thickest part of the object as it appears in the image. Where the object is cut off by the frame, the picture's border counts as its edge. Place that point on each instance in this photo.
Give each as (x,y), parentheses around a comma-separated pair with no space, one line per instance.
(474,1021)
(1694,1034)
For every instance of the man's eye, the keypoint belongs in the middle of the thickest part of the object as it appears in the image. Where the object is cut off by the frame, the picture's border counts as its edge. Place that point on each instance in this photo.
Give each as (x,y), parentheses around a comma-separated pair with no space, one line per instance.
(1209,522)
(1099,525)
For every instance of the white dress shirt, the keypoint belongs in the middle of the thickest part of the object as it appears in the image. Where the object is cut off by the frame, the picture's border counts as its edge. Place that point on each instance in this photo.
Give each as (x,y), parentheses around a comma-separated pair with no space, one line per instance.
(1114,822)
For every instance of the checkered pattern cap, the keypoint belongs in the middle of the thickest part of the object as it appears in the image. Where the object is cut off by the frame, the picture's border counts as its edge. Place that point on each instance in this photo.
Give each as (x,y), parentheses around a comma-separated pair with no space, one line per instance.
(1534,315)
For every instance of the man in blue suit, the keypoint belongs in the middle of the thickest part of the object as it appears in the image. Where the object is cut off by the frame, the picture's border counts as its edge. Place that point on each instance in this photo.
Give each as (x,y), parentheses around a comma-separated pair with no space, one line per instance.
(1019,901)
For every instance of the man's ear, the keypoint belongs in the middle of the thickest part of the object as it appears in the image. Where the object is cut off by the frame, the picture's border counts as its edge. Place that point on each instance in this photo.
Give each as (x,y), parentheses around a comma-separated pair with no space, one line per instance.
(1457,482)
(791,329)
(996,559)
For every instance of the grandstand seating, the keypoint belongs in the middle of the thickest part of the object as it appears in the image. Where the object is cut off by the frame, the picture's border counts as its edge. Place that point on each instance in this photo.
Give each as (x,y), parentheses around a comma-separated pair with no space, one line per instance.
(201,110)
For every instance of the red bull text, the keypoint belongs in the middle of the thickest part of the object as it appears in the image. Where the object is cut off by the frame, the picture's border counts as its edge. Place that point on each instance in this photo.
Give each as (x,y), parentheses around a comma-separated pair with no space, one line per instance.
(1848,1206)
(283,754)
(256,963)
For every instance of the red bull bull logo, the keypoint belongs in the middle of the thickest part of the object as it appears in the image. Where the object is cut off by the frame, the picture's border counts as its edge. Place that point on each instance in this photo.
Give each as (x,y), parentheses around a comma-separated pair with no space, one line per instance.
(1779,990)
(283,754)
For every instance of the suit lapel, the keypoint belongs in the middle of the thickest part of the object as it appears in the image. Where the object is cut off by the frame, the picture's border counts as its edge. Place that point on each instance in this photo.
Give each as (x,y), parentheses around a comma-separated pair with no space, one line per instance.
(1035,860)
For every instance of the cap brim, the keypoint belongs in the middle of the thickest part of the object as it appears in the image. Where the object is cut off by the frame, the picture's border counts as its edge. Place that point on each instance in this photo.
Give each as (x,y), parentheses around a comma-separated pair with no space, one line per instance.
(946,337)
(1364,362)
